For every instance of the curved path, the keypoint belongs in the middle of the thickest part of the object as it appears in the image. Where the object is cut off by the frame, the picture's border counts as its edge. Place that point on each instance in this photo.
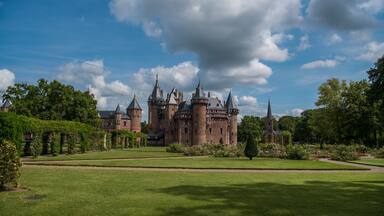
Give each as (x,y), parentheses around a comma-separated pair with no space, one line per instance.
(372,169)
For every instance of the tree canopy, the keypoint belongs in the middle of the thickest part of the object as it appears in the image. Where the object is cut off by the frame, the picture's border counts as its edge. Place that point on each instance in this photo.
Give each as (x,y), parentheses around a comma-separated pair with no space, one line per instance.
(52,101)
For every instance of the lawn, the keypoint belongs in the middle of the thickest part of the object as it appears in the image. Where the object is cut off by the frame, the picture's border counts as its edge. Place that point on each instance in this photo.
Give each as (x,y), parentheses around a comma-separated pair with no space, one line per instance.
(113,154)
(212,162)
(63,191)
(371,161)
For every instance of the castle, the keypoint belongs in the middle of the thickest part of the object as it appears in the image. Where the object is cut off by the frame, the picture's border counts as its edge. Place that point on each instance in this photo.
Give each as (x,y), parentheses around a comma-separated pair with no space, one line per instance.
(203,119)
(118,120)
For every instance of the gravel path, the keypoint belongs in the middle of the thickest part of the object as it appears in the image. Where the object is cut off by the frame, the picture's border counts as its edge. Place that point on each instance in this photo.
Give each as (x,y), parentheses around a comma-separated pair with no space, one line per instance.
(198,170)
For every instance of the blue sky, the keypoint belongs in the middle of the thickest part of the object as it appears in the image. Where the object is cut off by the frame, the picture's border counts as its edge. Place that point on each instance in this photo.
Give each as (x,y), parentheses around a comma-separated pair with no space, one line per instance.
(259,49)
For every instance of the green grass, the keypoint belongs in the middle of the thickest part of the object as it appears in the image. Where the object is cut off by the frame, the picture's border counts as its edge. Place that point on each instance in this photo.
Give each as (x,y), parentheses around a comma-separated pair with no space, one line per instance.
(75,192)
(212,162)
(128,153)
(371,161)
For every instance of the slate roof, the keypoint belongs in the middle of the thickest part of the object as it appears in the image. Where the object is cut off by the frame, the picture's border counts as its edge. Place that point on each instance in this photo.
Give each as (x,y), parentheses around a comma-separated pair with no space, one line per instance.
(230,102)
(269,114)
(156,92)
(134,104)
(6,104)
(185,106)
(106,114)
(214,103)
(171,97)
(199,93)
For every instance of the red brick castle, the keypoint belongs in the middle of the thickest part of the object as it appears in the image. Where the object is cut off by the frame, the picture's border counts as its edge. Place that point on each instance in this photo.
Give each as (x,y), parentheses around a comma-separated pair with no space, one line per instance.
(203,119)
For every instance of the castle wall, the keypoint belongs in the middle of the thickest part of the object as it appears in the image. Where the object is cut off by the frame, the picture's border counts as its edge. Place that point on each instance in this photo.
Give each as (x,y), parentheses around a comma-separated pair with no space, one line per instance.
(217,131)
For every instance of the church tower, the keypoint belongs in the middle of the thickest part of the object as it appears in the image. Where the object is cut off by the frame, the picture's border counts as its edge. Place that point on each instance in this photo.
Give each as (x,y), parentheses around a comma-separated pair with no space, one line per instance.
(199,116)
(269,133)
(232,112)
(134,111)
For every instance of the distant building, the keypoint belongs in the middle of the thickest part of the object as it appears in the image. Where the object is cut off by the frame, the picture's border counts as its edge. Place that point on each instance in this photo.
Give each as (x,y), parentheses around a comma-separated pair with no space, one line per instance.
(6,106)
(120,120)
(269,134)
(203,119)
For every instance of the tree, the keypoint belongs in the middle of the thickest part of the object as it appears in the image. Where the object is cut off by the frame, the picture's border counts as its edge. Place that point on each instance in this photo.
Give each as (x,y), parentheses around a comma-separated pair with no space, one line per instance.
(251,150)
(52,101)
(249,125)
(376,97)
(9,165)
(288,123)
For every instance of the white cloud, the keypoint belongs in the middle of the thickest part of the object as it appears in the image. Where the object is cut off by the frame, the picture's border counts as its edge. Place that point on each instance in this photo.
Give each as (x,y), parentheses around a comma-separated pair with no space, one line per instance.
(334,39)
(304,43)
(373,51)
(247,101)
(296,112)
(7,79)
(93,74)
(320,64)
(372,6)
(227,36)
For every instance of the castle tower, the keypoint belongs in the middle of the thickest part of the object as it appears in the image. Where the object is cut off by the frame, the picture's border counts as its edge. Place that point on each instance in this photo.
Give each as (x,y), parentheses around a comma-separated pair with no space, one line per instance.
(232,113)
(134,111)
(171,104)
(269,133)
(155,101)
(199,116)
(6,106)
(118,115)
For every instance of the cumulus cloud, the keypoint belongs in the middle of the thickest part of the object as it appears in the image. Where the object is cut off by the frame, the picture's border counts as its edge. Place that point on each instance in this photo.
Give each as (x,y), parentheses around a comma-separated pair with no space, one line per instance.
(374,6)
(373,51)
(334,39)
(247,101)
(296,112)
(341,14)
(304,43)
(7,79)
(320,64)
(93,74)
(227,36)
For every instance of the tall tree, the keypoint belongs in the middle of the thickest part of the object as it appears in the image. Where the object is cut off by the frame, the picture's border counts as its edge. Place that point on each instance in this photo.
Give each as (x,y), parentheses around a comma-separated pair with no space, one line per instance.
(52,101)
(249,125)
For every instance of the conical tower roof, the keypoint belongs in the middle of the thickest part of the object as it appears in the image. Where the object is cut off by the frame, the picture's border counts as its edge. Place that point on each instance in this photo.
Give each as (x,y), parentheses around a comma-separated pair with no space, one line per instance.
(156,92)
(118,110)
(199,93)
(134,104)
(230,102)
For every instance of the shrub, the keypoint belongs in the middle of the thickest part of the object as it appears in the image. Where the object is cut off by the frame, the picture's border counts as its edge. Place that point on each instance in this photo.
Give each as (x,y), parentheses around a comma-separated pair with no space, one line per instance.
(272,150)
(344,153)
(175,148)
(296,152)
(379,153)
(251,150)
(228,151)
(9,165)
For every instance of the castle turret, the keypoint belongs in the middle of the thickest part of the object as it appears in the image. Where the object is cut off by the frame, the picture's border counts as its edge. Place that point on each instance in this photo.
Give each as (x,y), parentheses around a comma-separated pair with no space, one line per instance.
(232,113)
(118,115)
(199,116)
(155,101)
(6,106)
(134,111)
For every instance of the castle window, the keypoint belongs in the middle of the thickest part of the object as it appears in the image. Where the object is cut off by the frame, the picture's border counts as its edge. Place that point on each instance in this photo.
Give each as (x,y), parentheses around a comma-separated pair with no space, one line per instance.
(125,123)
(221,130)
(210,130)
(186,130)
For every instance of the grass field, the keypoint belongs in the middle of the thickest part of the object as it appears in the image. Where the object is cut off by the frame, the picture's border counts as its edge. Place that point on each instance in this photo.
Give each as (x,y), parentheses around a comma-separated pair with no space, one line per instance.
(113,154)
(53,191)
(371,161)
(212,162)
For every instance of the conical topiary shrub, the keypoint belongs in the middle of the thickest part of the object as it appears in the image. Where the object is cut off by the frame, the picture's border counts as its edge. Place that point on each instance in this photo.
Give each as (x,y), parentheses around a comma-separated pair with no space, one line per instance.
(251,150)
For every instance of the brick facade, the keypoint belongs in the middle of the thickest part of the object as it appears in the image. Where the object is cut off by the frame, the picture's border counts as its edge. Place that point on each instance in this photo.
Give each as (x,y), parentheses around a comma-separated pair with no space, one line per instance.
(203,119)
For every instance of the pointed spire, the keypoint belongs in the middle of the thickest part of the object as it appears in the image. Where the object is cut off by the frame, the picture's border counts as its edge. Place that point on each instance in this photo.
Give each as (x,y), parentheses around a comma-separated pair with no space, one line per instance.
(156,93)
(199,91)
(230,102)
(118,110)
(269,113)
(134,104)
